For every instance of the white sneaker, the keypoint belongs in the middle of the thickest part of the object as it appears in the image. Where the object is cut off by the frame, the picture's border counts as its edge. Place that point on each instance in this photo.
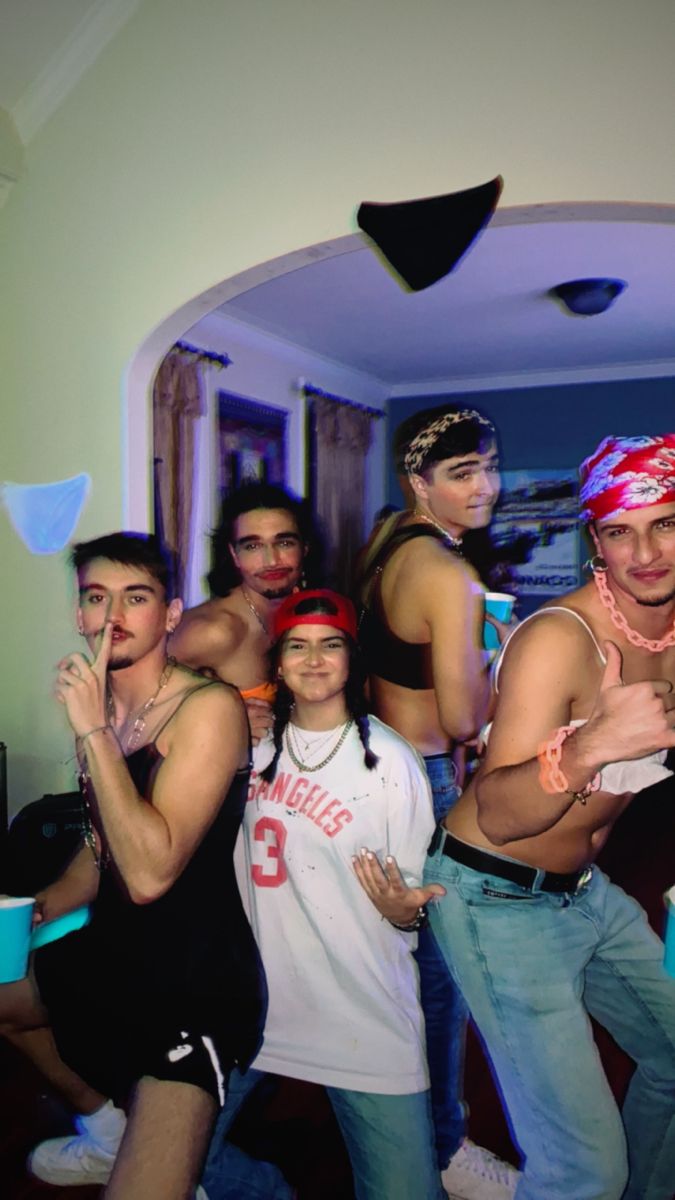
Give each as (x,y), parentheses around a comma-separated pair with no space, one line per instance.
(475,1174)
(87,1158)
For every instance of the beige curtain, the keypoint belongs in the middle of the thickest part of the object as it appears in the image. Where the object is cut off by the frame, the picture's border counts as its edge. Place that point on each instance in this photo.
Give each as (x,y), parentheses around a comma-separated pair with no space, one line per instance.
(177,403)
(342,438)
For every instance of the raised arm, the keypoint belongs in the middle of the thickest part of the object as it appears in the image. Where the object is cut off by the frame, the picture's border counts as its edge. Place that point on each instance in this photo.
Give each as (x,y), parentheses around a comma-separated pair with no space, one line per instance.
(538,688)
(151,843)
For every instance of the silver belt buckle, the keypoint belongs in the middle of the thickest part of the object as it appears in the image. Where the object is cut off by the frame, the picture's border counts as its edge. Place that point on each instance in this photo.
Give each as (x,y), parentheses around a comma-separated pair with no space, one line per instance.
(584,878)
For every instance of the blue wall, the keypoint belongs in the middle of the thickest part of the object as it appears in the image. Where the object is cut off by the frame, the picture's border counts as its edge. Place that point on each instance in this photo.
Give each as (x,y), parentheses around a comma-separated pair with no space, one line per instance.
(552,426)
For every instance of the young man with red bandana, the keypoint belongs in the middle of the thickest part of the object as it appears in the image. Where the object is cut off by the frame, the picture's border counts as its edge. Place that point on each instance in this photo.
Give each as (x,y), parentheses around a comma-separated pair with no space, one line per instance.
(537,938)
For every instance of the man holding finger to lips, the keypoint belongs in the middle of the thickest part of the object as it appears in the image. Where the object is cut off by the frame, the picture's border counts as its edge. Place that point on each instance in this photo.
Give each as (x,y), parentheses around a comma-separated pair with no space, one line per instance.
(162,994)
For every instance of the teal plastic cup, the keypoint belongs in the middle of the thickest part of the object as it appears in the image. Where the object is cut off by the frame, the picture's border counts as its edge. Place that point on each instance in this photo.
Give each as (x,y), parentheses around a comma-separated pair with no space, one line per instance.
(50,931)
(16,918)
(669,956)
(499,605)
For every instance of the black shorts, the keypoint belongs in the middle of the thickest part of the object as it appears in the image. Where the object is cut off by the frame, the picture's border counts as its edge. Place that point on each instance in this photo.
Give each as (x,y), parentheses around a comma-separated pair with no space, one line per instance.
(112,1034)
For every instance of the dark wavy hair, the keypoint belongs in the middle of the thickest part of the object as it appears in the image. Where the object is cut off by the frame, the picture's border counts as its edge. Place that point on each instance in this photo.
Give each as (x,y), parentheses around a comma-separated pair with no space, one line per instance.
(223,576)
(465,437)
(354,695)
(132,550)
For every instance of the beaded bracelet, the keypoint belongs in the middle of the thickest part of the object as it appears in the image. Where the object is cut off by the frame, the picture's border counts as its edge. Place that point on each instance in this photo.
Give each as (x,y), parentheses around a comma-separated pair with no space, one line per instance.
(419,920)
(551,774)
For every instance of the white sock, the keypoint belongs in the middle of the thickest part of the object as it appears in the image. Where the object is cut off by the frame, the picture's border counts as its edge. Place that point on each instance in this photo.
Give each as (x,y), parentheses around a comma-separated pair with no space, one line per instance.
(106,1125)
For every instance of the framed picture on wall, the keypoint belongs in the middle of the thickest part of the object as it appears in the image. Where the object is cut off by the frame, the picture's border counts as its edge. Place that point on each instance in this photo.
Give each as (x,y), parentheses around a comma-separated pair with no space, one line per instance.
(251,442)
(537,528)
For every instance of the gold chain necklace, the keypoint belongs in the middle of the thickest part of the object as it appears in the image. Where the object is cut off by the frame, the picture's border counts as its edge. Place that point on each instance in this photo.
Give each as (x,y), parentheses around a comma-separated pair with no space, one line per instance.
(454,543)
(297,762)
(140,718)
(255,612)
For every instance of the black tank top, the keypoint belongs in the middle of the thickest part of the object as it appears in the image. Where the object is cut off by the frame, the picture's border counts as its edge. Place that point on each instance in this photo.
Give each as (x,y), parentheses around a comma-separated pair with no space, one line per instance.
(190,954)
(407,664)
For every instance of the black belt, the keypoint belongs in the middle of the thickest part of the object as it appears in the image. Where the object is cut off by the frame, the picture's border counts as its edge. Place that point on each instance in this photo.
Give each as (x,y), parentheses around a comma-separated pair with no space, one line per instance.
(520,873)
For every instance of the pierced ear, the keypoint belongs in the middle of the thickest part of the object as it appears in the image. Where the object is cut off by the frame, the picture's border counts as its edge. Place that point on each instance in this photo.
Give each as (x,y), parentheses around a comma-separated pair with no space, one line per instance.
(174,613)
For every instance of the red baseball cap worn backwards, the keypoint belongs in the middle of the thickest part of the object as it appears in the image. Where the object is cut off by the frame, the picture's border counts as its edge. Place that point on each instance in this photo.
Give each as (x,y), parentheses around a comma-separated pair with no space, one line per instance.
(341,614)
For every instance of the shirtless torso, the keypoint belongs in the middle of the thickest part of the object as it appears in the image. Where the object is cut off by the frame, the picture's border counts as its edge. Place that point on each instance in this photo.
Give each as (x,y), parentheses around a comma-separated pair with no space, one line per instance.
(553,674)
(230,635)
(224,635)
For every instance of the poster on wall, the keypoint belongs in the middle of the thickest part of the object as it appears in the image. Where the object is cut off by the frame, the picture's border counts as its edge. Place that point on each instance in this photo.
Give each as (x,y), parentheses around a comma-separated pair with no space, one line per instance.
(536,526)
(251,442)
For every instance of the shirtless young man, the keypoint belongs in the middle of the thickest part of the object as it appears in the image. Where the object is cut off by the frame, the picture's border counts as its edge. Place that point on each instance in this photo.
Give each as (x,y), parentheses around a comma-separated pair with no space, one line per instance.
(422,632)
(259,548)
(536,937)
(163,991)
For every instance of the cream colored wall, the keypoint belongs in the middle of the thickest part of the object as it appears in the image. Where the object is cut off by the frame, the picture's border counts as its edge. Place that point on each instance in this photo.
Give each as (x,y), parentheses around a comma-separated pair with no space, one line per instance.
(212,136)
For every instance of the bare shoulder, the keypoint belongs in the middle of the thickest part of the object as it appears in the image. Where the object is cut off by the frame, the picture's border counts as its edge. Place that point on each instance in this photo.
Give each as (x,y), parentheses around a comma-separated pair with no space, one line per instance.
(211,698)
(427,562)
(548,642)
(207,712)
(206,633)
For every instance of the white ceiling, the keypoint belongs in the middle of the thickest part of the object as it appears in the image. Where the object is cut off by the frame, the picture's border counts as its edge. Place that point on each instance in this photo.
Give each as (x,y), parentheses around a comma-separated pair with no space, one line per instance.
(491,317)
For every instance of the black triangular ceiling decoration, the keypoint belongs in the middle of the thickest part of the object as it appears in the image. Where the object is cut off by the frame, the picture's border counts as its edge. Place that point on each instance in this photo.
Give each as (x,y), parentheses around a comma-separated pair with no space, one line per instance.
(423,240)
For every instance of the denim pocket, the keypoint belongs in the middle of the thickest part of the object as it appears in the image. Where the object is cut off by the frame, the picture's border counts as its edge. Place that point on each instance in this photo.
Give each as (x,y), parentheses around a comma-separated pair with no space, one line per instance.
(492,892)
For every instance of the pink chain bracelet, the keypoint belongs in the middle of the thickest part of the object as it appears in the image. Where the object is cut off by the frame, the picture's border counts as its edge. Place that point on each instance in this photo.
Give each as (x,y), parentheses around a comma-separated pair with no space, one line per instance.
(551,775)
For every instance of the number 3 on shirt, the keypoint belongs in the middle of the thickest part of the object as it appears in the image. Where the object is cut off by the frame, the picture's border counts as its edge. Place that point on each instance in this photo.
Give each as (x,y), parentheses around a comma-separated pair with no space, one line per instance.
(271,873)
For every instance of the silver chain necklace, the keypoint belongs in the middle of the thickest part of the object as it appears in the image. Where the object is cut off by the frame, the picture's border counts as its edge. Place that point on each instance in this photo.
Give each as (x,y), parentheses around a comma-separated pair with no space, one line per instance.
(255,612)
(297,761)
(453,542)
(139,720)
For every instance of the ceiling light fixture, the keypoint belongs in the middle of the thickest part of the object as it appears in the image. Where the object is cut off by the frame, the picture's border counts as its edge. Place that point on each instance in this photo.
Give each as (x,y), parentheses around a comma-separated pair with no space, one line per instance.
(588,297)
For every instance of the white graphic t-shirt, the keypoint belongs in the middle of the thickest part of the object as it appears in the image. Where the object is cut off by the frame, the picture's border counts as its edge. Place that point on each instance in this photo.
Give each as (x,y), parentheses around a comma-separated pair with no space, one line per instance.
(343,1006)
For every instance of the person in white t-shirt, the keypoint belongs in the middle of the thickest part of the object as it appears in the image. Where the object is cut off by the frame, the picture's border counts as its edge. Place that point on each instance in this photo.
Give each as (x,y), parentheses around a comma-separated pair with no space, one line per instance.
(343,988)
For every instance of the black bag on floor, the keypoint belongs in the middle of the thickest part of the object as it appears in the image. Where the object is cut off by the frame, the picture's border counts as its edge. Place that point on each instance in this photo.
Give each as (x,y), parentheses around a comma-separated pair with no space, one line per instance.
(40,843)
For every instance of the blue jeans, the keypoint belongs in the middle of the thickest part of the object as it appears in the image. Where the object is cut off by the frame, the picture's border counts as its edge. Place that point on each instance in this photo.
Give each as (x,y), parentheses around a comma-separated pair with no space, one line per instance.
(532,966)
(389,1140)
(445,1012)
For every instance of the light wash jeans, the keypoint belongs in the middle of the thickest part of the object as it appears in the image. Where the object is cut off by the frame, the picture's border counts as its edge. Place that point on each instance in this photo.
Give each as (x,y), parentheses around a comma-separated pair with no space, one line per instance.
(389,1140)
(532,966)
(445,1013)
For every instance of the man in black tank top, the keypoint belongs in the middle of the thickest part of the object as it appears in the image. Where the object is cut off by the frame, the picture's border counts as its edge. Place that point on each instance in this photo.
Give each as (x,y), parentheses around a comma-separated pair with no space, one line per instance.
(163,991)
(421,629)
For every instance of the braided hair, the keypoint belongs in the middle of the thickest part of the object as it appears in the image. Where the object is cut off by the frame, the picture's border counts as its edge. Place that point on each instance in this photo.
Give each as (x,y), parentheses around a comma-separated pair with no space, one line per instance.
(354,698)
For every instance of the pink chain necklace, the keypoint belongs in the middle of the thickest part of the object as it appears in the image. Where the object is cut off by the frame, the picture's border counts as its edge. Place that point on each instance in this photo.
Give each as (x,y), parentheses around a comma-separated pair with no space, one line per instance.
(620,622)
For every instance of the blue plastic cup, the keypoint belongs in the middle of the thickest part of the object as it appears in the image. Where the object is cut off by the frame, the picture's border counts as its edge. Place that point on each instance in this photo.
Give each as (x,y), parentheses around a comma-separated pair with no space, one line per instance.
(669,956)
(16,918)
(499,605)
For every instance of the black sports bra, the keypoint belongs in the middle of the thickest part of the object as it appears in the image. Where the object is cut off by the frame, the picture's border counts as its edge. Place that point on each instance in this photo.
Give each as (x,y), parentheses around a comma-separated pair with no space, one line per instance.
(407,664)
